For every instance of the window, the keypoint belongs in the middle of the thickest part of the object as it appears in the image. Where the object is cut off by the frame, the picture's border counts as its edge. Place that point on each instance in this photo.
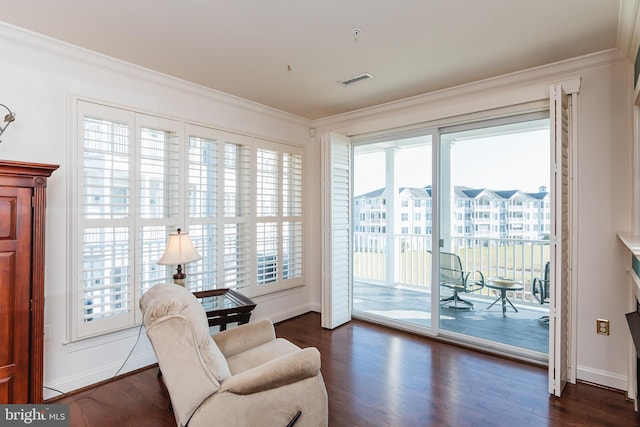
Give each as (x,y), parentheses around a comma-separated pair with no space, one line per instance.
(128,199)
(138,179)
(279,214)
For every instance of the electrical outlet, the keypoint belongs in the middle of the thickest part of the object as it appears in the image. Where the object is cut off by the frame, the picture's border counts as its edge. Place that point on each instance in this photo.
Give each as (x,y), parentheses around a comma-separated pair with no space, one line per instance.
(602,327)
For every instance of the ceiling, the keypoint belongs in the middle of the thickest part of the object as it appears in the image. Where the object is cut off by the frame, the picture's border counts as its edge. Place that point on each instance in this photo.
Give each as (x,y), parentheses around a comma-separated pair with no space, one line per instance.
(291,54)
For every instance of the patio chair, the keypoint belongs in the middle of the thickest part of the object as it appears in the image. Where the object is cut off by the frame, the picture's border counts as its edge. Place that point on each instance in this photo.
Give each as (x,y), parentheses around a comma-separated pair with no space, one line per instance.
(541,289)
(452,276)
(541,286)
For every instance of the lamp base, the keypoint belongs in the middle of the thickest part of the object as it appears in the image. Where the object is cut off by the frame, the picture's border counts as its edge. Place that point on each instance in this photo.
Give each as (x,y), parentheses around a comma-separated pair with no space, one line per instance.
(179,277)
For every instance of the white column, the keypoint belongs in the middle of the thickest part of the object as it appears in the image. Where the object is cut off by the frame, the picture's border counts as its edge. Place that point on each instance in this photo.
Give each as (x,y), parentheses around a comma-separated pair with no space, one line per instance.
(391,254)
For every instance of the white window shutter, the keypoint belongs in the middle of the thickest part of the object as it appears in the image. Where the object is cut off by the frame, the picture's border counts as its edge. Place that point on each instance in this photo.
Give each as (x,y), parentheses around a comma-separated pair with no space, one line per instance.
(561,142)
(292,230)
(138,179)
(204,178)
(158,203)
(234,233)
(105,229)
(336,232)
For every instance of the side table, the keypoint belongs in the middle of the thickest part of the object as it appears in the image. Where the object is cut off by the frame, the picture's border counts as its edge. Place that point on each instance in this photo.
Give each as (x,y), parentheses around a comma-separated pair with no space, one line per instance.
(503,285)
(225,306)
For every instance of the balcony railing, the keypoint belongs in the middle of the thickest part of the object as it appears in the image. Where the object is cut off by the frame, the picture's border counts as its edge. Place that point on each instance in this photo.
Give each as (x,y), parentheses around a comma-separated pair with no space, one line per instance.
(519,259)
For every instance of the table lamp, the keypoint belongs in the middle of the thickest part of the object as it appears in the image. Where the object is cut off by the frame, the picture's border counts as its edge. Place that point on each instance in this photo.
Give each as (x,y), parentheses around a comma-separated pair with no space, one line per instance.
(179,251)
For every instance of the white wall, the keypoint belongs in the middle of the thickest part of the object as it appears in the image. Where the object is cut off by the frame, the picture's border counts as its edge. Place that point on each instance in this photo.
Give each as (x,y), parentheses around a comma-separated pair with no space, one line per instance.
(38,78)
(603,181)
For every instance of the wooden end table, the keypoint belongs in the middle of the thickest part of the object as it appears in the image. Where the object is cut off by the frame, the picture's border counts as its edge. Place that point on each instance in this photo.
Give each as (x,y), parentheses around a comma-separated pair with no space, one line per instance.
(225,306)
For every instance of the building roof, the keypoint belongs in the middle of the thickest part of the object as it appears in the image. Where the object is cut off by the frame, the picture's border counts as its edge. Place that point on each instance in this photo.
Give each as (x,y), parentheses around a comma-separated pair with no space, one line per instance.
(461,191)
(415,191)
(375,193)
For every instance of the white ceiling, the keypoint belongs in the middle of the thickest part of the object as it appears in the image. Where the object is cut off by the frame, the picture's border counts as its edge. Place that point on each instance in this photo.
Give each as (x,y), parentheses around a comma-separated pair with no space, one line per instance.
(245,47)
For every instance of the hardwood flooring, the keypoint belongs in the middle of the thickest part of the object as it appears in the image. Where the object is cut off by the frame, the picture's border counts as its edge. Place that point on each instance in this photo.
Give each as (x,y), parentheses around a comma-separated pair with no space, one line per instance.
(381,377)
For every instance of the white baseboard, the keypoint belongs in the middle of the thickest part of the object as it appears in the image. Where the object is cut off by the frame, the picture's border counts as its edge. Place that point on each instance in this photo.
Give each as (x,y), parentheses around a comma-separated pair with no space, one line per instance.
(86,378)
(607,379)
(291,312)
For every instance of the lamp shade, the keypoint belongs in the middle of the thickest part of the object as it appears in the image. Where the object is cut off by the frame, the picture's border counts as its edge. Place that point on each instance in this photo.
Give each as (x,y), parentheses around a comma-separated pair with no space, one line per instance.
(179,250)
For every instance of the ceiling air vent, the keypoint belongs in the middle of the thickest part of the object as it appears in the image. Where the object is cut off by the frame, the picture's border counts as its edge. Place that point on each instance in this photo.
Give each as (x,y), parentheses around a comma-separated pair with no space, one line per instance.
(365,76)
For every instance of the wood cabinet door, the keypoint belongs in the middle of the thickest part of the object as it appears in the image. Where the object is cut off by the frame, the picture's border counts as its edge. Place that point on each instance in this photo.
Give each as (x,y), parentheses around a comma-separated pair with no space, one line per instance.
(15,293)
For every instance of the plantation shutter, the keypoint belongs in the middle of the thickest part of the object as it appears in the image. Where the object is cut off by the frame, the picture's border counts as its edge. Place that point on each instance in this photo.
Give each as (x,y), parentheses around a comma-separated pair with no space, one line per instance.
(235,261)
(278,215)
(267,216)
(559,310)
(246,193)
(203,195)
(137,180)
(292,255)
(157,171)
(105,229)
(128,201)
(336,233)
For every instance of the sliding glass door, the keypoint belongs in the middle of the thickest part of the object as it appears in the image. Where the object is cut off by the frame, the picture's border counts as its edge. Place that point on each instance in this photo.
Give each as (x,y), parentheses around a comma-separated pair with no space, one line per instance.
(495,212)
(392,229)
(491,236)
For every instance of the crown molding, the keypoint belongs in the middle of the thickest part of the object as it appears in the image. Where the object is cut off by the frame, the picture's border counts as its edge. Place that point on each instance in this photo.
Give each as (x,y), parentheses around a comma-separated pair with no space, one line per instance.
(56,48)
(523,80)
(629,28)
(538,75)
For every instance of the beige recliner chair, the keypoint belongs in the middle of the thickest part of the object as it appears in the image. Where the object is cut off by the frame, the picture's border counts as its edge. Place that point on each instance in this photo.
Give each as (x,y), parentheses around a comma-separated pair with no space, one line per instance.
(244,376)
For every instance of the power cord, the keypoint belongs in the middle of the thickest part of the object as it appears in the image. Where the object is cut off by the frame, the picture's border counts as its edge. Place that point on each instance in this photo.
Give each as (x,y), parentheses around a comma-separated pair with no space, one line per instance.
(62,393)
(130,353)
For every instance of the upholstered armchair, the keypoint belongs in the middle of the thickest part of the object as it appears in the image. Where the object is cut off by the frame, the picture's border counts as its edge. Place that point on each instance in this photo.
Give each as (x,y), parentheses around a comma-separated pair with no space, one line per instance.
(244,376)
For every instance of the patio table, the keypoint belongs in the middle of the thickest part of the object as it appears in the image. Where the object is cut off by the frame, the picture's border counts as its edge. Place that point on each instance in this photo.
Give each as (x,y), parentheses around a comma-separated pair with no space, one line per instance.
(503,285)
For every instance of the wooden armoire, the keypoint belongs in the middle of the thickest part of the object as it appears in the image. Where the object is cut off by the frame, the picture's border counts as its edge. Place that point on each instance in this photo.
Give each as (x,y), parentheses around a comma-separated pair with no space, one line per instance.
(22,229)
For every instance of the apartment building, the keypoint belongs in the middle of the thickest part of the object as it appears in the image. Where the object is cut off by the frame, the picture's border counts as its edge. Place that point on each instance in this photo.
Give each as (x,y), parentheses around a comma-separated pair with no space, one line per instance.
(485,213)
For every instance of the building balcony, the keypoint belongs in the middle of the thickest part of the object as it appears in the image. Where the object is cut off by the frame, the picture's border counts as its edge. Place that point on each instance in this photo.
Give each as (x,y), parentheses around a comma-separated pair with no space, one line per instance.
(401,289)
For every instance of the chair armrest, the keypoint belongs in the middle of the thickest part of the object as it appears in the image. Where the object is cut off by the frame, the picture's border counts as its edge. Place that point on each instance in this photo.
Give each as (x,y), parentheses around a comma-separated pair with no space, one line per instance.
(287,369)
(473,285)
(244,337)
(539,288)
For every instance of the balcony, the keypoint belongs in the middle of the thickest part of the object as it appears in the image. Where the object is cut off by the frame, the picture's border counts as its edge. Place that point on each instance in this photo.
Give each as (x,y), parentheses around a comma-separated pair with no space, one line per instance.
(402,291)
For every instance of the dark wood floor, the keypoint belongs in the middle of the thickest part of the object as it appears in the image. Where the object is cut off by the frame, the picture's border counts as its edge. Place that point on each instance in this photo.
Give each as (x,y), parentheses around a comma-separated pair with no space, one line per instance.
(380,377)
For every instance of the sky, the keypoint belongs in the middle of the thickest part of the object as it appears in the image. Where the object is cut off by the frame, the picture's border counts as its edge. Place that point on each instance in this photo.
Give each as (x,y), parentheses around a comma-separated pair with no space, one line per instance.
(506,162)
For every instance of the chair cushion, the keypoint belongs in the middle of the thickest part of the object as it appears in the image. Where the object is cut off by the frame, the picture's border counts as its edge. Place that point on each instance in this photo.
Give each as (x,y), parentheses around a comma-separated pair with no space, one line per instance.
(258,355)
(167,299)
